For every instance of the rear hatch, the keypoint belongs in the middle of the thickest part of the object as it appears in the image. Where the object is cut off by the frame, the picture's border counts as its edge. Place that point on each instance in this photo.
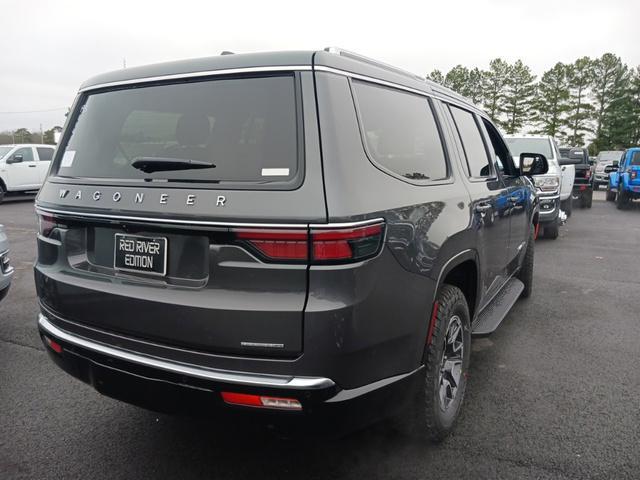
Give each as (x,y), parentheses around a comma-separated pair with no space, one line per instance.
(178,213)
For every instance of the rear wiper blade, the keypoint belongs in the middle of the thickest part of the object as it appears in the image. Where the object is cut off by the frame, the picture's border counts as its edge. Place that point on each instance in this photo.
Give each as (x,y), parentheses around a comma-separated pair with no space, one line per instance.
(165,164)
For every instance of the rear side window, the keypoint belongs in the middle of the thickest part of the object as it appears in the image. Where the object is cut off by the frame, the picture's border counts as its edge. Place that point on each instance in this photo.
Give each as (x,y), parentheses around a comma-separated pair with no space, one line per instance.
(635,158)
(242,130)
(45,154)
(400,132)
(474,149)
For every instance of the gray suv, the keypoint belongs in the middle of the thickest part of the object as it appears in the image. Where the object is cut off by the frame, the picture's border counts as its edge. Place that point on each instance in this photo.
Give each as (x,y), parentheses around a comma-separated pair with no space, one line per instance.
(306,237)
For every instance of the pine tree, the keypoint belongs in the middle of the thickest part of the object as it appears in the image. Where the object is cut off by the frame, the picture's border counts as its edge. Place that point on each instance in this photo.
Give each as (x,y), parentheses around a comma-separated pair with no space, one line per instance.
(457,79)
(494,86)
(608,72)
(436,76)
(580,111)
(551,101)
(474,91)
(520,89)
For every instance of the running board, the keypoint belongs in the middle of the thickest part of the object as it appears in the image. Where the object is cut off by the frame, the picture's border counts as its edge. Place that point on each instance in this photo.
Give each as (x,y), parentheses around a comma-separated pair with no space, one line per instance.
(493,314)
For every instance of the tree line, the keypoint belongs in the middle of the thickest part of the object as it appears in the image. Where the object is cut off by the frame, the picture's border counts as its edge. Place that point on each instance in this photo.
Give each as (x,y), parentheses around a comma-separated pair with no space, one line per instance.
(595,100)
(24,135)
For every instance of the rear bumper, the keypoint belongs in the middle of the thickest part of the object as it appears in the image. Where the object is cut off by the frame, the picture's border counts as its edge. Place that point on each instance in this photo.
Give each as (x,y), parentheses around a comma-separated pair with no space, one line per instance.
(172,387)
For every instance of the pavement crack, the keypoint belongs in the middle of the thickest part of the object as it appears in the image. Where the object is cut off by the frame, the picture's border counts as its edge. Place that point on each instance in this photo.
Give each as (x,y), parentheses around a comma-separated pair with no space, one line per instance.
(19,344)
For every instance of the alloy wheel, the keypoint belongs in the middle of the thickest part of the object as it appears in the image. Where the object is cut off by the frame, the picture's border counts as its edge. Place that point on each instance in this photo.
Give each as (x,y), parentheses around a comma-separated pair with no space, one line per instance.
(451,363)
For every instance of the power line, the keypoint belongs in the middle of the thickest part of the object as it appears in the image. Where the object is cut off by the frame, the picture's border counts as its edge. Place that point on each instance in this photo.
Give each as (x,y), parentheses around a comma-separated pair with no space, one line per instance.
(35,111)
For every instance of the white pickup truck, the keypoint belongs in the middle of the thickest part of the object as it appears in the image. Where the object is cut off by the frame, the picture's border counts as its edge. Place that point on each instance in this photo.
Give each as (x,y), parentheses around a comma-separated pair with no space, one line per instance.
(23,167)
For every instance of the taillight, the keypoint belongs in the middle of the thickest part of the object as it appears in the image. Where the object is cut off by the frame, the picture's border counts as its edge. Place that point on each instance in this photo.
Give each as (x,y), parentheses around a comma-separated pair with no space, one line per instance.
(346,244)
(46,223)
(634,174)
(587,174)
(292,245)
(318,245)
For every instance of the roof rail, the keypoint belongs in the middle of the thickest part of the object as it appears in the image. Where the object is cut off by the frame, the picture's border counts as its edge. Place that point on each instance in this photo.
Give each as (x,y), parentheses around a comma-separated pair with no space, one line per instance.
(361,58)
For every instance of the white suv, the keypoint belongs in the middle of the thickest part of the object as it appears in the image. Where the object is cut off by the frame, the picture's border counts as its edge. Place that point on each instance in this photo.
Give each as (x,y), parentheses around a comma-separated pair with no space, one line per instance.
(23,167)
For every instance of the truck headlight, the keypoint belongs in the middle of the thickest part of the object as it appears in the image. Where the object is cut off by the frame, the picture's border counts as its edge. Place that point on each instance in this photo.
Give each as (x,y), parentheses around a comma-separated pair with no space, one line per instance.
(548,183)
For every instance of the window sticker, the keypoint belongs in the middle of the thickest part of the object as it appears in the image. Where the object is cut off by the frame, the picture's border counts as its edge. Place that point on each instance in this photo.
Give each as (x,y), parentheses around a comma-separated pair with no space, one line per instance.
(67,158)
(275,172)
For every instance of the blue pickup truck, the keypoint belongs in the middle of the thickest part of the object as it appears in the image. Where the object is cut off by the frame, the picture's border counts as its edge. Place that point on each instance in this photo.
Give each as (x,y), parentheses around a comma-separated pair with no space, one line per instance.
(624,178)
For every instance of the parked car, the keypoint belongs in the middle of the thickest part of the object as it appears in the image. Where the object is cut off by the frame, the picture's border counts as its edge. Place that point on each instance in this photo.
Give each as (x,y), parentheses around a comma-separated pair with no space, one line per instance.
(583,182)
(554,187)
(302,236)
(6,270)
(603,160)
(624,179)
(23,167)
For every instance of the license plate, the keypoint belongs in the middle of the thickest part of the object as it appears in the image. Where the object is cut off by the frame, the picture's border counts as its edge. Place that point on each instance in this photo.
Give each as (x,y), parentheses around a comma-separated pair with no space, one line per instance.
(133,253)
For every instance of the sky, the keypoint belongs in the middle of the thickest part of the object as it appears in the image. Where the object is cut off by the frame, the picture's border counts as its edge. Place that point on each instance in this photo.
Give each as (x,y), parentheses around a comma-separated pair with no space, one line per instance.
(50,47)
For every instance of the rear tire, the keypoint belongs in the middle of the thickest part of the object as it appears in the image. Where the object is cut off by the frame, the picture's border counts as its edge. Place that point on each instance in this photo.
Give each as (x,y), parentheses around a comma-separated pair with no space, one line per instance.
(622,200)
(432,414)
(2,192)
(611,196)
(525,274)
(551,231)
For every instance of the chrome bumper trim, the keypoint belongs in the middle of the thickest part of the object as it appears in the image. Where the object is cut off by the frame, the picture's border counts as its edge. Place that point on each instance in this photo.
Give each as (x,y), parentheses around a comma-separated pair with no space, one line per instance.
(240,378)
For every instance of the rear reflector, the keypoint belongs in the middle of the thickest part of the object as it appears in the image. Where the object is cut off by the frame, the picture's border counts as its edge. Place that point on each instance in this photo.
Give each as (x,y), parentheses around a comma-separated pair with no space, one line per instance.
(55,346)
(331,245)
(260,401)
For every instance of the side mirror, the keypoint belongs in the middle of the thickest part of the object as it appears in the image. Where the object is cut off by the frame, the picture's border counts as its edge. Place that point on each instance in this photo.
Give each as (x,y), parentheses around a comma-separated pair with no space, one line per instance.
(533,164)
(610,168)
(15,158)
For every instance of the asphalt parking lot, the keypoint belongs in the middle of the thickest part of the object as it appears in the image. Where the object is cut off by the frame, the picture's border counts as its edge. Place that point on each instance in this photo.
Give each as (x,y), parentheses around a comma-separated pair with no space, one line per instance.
(554,393)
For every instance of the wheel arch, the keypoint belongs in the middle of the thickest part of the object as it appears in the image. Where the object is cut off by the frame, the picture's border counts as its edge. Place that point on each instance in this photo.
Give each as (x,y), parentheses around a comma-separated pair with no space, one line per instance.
(462,270)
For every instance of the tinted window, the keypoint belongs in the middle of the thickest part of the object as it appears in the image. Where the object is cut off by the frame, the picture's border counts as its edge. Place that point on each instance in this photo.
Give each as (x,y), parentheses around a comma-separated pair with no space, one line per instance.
(635,158)
(27,154)
(244,127)
(474,149)
(44,153)
(401,132)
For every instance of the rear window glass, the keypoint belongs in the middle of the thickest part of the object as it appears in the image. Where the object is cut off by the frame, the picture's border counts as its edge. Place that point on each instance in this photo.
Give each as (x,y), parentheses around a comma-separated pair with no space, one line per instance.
(401,132)
(45,154)
(241,130)
(530,145)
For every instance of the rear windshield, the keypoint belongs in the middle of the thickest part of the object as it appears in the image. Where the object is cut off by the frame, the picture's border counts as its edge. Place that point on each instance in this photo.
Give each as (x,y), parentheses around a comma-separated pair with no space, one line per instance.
(241,130)
(4,151)
(529,145)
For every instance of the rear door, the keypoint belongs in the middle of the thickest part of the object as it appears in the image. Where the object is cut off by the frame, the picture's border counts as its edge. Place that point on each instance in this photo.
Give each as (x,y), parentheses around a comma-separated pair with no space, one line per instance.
(634,167)
(211,259)
(490,200)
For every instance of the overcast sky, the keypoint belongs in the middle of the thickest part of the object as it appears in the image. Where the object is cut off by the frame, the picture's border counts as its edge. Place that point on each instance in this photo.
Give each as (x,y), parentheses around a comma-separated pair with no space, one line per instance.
(50,47)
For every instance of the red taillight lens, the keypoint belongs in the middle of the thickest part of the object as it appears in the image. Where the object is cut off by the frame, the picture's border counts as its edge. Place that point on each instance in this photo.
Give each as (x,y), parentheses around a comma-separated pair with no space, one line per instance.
(261,401)
(55,346)
(587,174)
(320,245)
(46,223)
(346,244)
(277,244)
(634,174)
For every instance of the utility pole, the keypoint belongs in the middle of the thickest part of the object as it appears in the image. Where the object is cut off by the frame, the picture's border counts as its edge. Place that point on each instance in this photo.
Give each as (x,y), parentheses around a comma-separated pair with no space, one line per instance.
(41,135)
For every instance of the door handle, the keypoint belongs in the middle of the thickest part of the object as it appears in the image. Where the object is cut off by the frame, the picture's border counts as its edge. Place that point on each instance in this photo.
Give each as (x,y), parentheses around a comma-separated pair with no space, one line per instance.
(32,166)
(482,208)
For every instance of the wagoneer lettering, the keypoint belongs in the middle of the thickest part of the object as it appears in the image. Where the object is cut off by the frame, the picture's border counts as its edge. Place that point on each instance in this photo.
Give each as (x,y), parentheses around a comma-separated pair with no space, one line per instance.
(351,281)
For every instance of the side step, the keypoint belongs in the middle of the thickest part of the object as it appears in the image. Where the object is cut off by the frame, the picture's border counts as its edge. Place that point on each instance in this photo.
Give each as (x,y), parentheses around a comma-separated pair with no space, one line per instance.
(493,314)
